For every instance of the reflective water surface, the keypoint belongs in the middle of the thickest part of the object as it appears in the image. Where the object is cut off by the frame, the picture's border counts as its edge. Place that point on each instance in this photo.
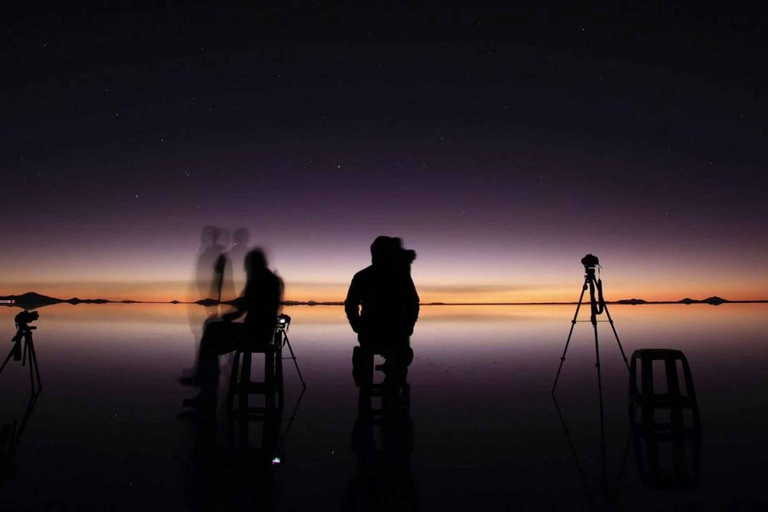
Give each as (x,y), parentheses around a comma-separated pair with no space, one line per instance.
(479,429)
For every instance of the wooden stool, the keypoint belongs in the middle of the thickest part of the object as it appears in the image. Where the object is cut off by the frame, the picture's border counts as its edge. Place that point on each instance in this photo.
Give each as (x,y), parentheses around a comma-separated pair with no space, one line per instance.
(241,385)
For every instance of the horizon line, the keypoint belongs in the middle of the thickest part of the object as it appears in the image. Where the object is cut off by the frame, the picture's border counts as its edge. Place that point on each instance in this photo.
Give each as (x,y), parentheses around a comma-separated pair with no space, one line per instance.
(10,300)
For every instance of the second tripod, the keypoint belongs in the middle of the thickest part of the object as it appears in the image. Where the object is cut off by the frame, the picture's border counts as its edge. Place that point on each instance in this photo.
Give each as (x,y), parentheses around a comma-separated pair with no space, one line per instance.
(281,340)
(24,348)
(597,307)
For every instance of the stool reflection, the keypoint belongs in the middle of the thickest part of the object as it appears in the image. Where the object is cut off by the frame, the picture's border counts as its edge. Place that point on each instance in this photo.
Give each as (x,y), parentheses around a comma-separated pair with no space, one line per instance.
(664,419)
(382,441)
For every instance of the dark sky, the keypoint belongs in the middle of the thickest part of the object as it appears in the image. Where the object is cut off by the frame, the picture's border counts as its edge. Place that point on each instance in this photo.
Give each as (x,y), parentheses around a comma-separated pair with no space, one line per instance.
(501,143)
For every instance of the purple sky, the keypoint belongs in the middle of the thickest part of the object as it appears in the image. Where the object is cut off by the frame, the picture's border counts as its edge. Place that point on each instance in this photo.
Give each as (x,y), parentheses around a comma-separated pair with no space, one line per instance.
(502,145)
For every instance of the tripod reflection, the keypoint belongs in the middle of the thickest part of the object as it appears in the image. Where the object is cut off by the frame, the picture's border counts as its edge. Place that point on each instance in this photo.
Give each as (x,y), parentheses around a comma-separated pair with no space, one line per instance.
(10,438)
(609,488)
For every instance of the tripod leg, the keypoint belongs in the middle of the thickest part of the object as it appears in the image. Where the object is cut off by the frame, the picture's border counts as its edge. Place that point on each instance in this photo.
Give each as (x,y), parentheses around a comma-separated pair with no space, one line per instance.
(296,363)
(31,371)
(610,320)
(570,333)
(34,370)
(10,354)
(600,393)
(279,369)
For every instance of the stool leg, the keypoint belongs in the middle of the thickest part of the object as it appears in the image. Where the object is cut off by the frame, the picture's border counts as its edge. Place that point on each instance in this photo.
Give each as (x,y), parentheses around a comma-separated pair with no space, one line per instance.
(689,389)
(244,384)
(233,379)
(673,379)
(633,387)
(646,393)
(269,369)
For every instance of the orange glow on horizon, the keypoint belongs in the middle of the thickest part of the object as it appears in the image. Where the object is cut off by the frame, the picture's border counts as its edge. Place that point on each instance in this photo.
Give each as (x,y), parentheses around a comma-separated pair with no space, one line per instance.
(336,292)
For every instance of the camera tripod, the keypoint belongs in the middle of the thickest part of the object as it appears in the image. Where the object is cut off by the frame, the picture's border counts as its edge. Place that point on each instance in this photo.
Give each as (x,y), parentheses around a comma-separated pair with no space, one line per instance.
(597,307)
(23,348)
(281,340)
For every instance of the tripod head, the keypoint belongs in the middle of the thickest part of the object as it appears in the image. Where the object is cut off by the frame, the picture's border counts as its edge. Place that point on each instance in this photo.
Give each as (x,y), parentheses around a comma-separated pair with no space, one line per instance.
(22,321)
(283,322)
(23,331)
(590,262)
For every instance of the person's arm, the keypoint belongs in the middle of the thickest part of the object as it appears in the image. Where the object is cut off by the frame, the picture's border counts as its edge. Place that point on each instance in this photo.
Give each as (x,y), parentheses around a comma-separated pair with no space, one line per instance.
(352,304)
(240,305)
(414,300)
(232,315)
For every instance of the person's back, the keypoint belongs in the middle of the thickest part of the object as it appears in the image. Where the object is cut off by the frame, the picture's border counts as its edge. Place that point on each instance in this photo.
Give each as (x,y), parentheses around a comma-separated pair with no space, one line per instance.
(382,304)
(261,299)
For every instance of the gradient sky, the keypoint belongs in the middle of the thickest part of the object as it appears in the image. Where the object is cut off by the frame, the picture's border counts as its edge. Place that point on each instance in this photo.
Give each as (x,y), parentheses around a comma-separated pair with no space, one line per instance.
(501,144)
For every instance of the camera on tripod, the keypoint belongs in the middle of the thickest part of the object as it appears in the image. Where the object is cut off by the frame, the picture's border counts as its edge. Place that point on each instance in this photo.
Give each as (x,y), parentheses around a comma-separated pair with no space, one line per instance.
(24,347)
(283,321)
(597,307)
(590,260)
(22,320)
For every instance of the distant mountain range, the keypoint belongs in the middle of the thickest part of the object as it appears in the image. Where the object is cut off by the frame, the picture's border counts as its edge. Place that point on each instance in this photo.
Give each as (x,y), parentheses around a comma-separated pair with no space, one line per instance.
(714,301)
(32,300)
(35,300)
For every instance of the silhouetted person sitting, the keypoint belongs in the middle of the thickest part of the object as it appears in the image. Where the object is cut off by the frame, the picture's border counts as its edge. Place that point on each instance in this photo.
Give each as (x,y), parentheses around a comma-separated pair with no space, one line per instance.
(260,302)
(382,307)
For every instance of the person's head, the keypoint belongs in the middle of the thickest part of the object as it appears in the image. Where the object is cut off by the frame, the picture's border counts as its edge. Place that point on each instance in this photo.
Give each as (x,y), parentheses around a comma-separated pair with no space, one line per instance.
(384,250)
(224,239)
(407,257)
(255,261)
(209,236)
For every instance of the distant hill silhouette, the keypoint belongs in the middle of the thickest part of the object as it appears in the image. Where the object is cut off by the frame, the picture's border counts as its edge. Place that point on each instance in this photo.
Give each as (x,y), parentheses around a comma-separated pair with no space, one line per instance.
(715,301)
(32,300)
(633,301)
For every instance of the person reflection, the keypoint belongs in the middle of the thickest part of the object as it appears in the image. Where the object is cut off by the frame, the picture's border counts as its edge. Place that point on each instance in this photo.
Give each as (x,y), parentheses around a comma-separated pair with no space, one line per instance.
(383,478)
(260,302)
(382,307)
(225,469)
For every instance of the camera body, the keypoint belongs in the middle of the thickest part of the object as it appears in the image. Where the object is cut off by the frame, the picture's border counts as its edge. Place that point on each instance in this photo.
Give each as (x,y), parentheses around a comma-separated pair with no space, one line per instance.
(283,321)
(23,329)
(590,260)
(25,317)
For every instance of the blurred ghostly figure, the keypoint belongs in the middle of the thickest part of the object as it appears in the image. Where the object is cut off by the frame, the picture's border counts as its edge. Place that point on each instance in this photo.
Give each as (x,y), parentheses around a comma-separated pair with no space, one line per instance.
(240,239)
(214,268)
(213,280)
(208,261)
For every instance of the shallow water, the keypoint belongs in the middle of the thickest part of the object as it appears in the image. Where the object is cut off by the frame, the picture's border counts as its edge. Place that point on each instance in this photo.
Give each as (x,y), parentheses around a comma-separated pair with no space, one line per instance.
(109,431)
